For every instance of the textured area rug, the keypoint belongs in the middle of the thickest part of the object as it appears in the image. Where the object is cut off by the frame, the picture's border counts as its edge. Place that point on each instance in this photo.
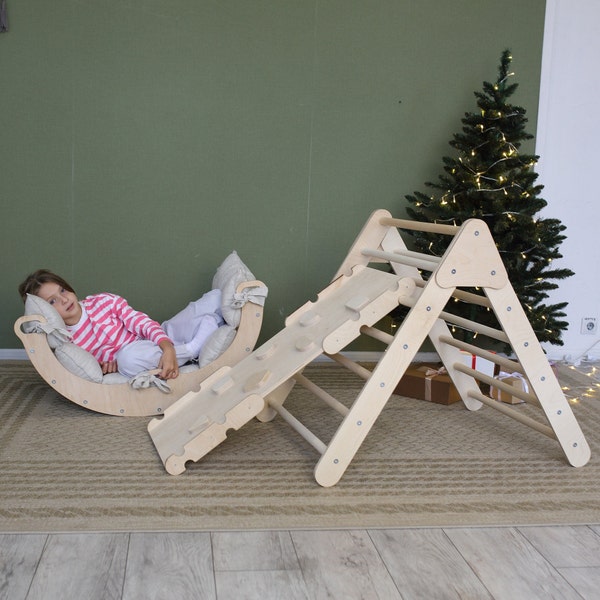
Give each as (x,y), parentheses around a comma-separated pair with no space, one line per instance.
(423,464)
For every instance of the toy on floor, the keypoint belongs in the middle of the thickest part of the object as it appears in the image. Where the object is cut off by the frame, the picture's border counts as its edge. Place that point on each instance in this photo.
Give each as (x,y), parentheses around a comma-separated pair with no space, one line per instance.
(358,297)
(74,373)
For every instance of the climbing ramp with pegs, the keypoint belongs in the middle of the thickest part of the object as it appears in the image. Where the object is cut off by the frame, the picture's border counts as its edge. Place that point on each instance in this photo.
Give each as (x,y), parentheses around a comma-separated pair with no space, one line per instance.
(359,296)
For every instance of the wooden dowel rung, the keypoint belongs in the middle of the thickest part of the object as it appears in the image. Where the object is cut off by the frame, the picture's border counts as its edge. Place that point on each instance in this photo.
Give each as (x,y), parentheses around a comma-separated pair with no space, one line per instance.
(526,396)
(508,365)
(411,259)
(322,394)
(420,226)
(461,295)
(511,412)
(304,431)
(377,334)
(351,365)
(465,323)
(472,298)
(476,327)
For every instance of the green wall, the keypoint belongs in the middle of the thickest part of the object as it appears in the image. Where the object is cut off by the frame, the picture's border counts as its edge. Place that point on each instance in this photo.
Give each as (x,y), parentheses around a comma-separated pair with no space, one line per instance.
(141,141)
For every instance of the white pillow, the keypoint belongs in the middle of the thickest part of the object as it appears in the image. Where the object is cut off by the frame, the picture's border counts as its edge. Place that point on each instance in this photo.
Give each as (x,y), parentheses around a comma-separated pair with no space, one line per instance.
(54,327)
(229,275)
(79,362)
(216,344)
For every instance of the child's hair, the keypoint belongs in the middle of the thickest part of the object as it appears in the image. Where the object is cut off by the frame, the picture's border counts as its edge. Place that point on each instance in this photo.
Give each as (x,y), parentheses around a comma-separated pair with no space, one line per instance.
(34,282)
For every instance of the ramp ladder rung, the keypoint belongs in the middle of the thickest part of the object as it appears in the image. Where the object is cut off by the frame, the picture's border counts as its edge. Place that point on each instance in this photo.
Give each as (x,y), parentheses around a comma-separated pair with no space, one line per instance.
(511,412)
(321,394)
(300,428)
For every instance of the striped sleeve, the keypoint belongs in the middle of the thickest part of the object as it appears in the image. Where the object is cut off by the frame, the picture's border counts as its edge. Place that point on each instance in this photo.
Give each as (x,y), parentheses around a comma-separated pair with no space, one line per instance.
(138,322)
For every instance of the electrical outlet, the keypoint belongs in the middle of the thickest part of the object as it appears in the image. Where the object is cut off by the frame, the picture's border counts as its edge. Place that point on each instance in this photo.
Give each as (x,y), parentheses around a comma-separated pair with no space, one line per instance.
(589,326)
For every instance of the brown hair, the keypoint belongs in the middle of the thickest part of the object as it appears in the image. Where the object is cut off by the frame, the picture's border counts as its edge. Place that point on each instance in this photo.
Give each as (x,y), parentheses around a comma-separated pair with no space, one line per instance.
(34,282)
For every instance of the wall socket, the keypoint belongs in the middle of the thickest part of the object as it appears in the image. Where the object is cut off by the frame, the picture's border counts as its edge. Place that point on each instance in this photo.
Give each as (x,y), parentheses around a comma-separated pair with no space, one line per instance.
(589,326)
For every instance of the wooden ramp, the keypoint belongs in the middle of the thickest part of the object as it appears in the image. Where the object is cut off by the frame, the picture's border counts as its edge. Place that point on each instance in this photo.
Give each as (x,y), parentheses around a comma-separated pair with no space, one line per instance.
(359,297)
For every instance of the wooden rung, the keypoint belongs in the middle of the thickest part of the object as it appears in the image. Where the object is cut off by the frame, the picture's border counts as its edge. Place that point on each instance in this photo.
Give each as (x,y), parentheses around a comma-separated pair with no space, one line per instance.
(297,426)
(462,295)
(511,412)
(526,396)
(472,298)
(420,226)
(377,334)
(351,365)
(505,363)
(411,259)
(322,394)
(465,323)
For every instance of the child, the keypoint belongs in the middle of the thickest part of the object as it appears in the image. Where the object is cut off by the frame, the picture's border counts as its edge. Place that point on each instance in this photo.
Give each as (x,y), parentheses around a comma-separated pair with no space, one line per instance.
(123,339)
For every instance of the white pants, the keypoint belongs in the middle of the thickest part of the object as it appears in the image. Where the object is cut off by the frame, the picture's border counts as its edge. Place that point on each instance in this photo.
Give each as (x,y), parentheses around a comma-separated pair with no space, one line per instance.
(191,326)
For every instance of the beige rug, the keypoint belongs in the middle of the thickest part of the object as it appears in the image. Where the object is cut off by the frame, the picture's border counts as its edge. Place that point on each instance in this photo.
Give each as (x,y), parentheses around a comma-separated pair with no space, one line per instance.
(68,469)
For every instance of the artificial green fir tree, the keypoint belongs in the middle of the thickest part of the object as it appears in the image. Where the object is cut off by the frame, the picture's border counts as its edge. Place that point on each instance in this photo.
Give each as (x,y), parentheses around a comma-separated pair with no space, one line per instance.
(490,179)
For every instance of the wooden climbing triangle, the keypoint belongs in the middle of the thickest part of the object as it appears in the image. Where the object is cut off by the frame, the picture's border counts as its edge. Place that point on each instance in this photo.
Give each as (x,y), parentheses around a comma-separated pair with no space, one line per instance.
(359,296)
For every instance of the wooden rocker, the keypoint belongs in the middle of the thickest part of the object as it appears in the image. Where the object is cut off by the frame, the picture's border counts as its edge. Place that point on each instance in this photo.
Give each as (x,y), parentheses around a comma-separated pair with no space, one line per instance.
(243,300)
(357,298)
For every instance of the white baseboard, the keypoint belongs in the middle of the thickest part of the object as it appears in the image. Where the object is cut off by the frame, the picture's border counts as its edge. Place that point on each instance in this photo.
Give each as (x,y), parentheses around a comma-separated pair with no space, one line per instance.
(12,354)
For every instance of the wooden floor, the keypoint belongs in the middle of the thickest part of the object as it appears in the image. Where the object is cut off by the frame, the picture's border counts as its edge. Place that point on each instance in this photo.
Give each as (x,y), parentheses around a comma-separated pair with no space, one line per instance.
(511,563)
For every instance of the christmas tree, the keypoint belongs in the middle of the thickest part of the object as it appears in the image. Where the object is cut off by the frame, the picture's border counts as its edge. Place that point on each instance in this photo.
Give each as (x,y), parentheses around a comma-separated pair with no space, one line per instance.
(490,179)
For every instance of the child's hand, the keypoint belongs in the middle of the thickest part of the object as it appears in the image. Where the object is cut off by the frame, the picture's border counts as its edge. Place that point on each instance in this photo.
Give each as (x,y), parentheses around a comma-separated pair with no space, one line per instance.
(109,366)
(168,361)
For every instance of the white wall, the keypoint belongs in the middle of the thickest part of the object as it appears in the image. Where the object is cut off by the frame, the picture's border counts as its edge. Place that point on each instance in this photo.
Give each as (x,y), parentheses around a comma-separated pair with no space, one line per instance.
(568,144)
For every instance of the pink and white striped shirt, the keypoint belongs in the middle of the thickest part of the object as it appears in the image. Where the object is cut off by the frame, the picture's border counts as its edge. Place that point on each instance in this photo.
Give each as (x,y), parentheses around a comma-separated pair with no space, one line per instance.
(109,323)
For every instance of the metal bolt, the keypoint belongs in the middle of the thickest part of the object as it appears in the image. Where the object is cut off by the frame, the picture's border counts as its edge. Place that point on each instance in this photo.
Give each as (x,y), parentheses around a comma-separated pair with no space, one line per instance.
(559,412)
(428,308)
(453,271)
(477,233)
(493,272)
(335,461)
(359,423)
(574,444)
(526,344)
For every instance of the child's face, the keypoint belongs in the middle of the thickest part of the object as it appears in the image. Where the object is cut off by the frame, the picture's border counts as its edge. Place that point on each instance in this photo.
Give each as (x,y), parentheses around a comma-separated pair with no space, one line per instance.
(65,302)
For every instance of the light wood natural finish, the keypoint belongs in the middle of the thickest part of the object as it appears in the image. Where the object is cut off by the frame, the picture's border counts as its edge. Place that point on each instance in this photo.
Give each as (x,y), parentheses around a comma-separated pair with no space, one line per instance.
(121,399)
(231,397)
(358,297)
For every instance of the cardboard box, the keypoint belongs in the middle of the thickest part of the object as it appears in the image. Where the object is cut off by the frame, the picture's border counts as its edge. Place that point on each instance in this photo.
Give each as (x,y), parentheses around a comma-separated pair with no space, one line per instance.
(519,383)
(483,365)
(428,382)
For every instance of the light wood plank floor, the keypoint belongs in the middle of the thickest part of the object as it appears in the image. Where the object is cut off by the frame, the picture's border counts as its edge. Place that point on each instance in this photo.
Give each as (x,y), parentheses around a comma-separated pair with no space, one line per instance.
(511,563)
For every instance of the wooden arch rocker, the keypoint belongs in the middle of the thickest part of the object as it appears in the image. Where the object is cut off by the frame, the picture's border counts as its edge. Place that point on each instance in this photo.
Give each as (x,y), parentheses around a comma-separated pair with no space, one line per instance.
(357,298)
(121,399)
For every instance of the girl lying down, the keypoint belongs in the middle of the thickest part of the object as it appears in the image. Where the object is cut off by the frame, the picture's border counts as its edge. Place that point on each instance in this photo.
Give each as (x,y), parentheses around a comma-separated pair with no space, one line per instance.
(123,339)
